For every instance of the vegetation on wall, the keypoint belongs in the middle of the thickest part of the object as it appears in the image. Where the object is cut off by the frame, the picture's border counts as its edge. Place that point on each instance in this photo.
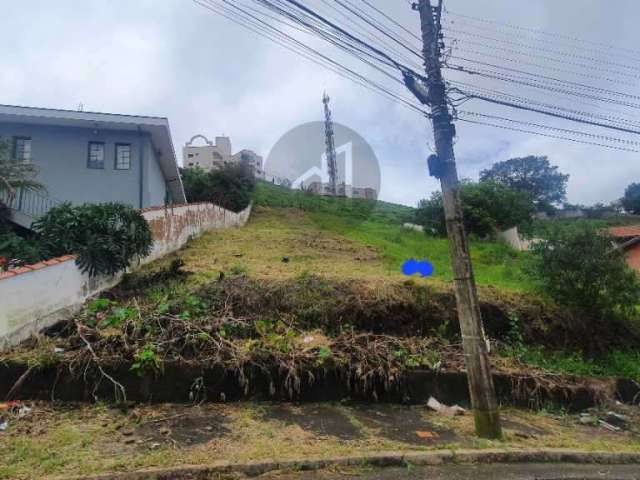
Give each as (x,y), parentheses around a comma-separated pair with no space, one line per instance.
(488,208)
(16,250)
(230,187)
(106,237)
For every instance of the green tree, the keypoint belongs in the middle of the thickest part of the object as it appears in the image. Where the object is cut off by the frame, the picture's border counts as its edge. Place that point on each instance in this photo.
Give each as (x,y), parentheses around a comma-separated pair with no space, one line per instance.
(534,175)
(430,214)
(581,269)
(230,187)
(631,199)
(488,208)
(14,174)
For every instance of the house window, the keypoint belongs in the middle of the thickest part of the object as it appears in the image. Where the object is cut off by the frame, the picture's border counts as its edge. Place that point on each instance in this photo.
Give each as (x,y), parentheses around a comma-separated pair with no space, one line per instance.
(123,156)
(22,149)
(96,155)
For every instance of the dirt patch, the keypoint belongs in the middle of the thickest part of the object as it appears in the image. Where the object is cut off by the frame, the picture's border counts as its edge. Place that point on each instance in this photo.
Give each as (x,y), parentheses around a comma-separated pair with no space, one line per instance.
(321,420)
(402,424)
(521,429)
(177,427)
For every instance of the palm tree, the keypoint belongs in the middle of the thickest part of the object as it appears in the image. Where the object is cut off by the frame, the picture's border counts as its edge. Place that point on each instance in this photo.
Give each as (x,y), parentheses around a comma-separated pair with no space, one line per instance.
(15,175)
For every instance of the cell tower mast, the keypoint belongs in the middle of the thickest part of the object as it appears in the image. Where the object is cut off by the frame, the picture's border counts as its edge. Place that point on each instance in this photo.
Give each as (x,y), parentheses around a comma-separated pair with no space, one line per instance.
(330,146)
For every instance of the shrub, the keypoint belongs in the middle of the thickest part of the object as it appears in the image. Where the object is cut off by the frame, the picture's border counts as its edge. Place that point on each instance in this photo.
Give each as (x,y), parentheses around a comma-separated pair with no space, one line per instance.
(106,237)
(230,186)
(581,269)
(14,247)
(631,199)
(5,214)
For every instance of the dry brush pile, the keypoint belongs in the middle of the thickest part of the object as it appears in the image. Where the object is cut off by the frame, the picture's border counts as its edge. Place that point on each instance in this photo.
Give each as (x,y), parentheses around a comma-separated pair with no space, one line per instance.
(291,330)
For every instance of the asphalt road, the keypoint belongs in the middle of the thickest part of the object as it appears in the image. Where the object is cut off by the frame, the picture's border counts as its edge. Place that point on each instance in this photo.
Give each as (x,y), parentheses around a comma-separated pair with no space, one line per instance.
(476,472)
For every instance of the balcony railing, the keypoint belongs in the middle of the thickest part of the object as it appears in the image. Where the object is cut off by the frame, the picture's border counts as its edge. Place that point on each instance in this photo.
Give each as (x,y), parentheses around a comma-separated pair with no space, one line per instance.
(29,202)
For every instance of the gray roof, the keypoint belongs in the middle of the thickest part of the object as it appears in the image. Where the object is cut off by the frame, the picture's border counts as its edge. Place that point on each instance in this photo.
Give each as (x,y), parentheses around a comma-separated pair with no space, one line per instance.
(156,127)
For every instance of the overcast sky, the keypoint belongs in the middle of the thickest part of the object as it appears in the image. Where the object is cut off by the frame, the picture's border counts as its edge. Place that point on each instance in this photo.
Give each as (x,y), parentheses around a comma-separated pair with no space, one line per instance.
(173,58)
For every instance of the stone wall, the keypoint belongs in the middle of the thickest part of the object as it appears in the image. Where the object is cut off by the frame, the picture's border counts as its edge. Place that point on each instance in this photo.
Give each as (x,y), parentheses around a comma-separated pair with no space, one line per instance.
(37,296)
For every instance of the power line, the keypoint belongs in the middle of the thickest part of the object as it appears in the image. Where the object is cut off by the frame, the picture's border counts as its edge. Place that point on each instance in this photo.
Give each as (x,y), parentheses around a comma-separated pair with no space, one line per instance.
(544,67)
(235,6)
(494,30)
(281,38)
(338,36)
(547,135)
(542,85)
(542,49)
(368,34)
(549,127)
(306,20)
(551,59)
(552,114)
(392,20)
(542,32)
(359,13)
(551,79)
(527,101)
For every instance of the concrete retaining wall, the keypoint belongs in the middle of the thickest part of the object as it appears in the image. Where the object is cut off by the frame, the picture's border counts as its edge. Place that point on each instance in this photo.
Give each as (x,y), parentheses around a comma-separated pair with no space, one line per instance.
(37,296)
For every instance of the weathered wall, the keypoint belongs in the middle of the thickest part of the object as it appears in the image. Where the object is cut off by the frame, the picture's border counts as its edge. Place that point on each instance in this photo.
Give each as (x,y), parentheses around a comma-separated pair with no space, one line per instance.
(37,296)
(173,227)
(512,238)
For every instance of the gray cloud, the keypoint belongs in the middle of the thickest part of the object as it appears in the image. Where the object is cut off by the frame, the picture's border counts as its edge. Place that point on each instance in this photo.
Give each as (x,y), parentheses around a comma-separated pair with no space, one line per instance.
(176,59)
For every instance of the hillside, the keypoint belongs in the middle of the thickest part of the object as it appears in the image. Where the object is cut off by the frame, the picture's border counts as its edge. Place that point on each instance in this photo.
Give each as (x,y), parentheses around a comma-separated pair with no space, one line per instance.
(310,289)
(270,195)
(377,228)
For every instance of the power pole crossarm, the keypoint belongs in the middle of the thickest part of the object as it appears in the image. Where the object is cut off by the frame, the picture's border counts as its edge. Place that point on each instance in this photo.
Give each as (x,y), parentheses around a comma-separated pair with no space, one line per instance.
(481,389)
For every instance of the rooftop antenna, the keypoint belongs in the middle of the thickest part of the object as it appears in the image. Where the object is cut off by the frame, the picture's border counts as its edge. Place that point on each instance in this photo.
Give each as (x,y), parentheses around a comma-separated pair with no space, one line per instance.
(330,145)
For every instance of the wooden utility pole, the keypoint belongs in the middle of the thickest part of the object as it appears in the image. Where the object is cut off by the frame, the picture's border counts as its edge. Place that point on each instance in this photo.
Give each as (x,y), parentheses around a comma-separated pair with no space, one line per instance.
(481,389)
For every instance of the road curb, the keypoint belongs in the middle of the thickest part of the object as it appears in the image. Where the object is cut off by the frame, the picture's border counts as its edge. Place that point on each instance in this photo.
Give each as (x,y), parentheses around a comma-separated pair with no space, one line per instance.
(379,459)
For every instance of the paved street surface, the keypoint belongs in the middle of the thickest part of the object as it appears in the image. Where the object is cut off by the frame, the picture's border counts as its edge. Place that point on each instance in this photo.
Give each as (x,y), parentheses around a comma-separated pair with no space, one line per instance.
(477,472)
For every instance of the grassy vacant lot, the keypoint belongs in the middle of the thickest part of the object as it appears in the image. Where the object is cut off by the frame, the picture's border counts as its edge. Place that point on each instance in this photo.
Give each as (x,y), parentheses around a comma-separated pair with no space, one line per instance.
(306,284)
(332,246)
(312,267)
(378,227)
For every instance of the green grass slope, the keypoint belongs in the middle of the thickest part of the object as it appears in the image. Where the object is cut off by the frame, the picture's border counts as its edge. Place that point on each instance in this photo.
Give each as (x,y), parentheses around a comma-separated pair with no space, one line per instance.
(378,225)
